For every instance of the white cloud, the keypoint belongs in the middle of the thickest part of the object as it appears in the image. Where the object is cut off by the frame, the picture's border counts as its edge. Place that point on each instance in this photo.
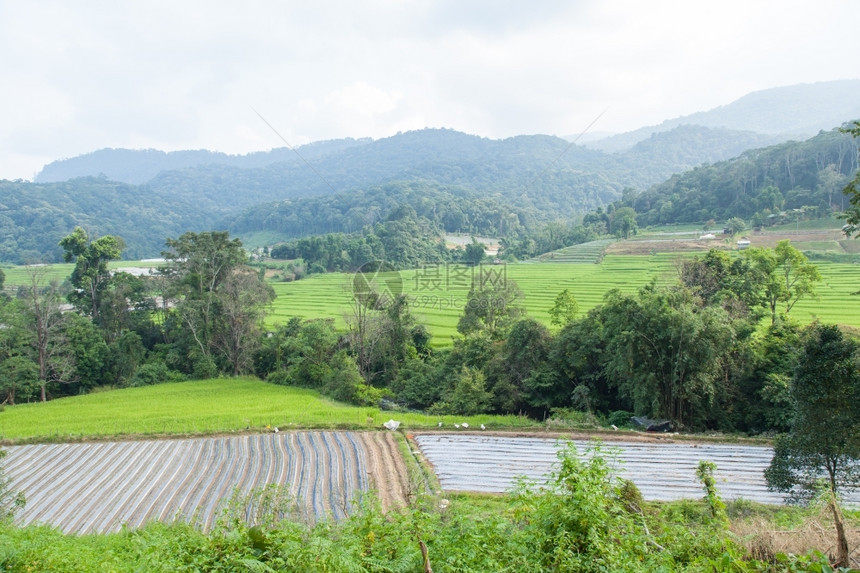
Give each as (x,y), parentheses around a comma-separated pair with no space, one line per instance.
(80,76)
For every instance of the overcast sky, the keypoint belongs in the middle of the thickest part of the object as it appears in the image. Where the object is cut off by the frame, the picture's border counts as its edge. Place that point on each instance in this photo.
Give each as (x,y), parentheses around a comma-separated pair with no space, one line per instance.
(78,76)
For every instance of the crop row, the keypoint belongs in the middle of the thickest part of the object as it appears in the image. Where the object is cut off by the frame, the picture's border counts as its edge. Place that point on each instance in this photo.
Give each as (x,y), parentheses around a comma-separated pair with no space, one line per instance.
(100,487)
(439,306)
(662,471)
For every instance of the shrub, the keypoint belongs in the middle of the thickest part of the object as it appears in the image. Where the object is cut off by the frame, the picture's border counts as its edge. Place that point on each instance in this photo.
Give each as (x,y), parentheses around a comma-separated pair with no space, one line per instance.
(155,373)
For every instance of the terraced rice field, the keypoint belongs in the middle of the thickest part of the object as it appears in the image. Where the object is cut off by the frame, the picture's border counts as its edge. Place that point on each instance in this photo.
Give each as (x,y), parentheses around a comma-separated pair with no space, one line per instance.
(99,487)
(589,252)
(439,309)
(662,471)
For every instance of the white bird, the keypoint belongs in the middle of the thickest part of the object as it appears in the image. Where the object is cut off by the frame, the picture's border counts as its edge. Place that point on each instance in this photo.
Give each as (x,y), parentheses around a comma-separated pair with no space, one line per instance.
(457,426)
(614,427)
(465,425)
(276,429)
(440,424)
(483,427)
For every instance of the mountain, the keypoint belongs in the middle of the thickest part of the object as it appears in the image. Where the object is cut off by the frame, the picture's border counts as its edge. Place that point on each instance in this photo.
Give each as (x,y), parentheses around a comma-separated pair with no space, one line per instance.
(455,180)
(758,185)
(790,112)
(139,166)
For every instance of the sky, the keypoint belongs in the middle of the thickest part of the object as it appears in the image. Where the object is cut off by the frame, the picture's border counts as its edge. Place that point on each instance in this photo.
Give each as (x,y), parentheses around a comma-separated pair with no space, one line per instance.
(82,75)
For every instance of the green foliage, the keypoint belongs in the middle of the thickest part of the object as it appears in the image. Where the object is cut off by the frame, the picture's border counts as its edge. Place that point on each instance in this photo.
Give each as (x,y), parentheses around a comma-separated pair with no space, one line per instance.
(469,395)
(852,190)
(490,309)
(564,309)
(825,431)
(705,474)
(154,373)
(10,501)
(764,182)
(736,225)
(665,350)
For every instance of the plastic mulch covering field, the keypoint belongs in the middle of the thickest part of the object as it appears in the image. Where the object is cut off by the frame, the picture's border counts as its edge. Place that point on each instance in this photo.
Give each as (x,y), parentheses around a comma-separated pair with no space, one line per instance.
(662,470)
(99,487)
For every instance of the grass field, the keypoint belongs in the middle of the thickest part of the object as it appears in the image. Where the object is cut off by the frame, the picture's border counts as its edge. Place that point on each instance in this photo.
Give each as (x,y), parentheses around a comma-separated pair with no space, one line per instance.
(440,307)
(205,407)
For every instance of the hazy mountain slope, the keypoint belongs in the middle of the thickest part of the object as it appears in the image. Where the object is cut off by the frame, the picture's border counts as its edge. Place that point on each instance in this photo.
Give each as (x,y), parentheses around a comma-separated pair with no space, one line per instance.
(35,216)
(757,184)
(792,112)
(141,165)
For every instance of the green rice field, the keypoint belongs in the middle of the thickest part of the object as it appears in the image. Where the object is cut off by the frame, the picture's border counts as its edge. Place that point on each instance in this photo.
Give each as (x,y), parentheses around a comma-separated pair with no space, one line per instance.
(205,407)
(438,302)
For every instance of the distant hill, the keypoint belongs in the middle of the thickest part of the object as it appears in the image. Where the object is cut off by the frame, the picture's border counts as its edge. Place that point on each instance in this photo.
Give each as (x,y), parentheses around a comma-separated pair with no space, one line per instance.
(457,181)
(757,185)
(139,166)
(791,112)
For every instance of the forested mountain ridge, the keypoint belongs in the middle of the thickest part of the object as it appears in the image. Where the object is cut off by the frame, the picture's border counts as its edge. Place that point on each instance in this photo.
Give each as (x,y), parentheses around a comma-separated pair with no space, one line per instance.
(458,182)
(140,165)
(757,184)
(35,216)
(787,112)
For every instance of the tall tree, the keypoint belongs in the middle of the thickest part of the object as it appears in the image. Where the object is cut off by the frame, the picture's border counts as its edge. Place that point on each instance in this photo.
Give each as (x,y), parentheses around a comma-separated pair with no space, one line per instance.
(43,300)
(790,276)
(564,309)
(825,430)
(852,190)
(91,276)
(242,299)
(665,350)
(491,308)
(199,264)
(19,376)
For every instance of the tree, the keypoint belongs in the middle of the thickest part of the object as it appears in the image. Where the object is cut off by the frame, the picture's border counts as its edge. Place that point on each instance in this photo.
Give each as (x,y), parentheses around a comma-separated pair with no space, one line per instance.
(91,275)
(19,377)
(852,190)
(474,252)
(824,438)
(789,275)
(736,225)
(564,309)
(623,223)
(242,299)
(490,308)
(665,351)
(525,350)
(46,321)
(200,263)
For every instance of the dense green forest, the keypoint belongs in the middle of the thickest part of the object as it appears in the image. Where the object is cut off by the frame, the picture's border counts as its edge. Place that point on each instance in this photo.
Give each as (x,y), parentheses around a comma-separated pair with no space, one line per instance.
(757,185)
(459,183)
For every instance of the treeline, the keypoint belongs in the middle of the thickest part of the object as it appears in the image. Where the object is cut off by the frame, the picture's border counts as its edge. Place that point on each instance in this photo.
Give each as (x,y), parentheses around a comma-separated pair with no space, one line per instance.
(35,216)
(404,225)
(450,209)
(199,316)
(688,353)
(685,352)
